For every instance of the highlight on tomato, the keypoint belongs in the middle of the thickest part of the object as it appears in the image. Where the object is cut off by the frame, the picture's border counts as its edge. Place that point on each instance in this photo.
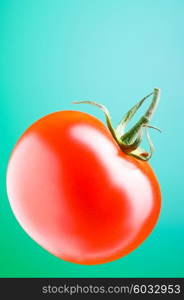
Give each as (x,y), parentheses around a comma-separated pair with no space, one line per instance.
(82,190)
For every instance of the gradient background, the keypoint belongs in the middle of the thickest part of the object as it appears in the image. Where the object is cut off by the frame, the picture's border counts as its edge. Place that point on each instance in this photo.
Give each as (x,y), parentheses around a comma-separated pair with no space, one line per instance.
(113,52)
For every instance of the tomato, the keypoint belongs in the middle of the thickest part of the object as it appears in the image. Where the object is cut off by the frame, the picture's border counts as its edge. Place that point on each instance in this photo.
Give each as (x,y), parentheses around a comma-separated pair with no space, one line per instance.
(77,194)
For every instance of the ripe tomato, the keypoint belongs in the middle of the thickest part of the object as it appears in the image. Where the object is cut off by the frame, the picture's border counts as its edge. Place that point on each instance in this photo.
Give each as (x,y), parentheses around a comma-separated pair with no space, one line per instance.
(84,192)
(77,194)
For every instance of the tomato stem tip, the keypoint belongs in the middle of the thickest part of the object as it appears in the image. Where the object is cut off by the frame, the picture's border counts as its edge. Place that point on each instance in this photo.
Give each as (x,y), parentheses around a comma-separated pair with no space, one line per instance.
(130,141)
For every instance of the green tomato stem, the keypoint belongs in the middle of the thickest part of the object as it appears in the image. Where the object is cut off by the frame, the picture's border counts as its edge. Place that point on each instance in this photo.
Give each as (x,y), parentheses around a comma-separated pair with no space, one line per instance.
(129,142)
(128,137)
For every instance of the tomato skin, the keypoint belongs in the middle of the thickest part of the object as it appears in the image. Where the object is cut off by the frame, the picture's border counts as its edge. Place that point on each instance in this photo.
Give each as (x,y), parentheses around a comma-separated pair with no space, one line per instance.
(77,194)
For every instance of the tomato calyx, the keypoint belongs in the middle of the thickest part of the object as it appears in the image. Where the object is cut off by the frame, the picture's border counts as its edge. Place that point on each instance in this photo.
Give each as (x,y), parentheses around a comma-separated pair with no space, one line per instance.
(130,141)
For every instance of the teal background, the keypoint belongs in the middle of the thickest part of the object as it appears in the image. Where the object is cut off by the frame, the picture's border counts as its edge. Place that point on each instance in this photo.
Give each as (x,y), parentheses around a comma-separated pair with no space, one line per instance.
(109,51)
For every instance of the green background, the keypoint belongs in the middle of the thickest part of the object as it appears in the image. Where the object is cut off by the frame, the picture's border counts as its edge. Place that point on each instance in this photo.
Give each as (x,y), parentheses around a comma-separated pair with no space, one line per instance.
(109,51)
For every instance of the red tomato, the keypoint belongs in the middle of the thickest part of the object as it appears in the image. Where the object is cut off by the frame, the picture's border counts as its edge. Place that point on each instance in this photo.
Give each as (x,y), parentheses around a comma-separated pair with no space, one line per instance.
(77,194)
